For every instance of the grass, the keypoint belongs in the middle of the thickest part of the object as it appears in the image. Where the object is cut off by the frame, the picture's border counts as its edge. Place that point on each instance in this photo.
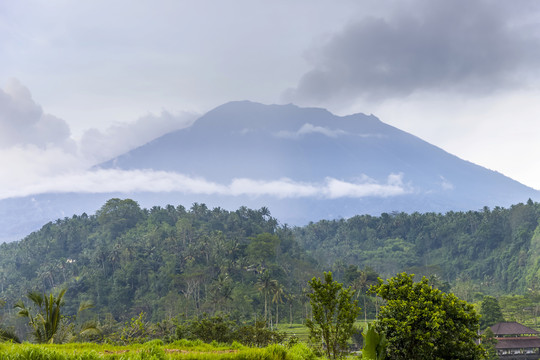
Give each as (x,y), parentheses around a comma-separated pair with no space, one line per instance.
(154,350)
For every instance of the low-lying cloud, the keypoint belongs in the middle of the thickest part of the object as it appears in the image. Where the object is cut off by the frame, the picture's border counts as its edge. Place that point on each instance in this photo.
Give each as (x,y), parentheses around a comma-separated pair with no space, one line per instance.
(459,46)
(307,129)
(110,181)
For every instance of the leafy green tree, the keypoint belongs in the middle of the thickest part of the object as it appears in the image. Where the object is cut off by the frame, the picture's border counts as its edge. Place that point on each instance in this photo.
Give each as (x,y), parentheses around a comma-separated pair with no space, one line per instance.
(262,248)
(421,322)
(490,312)
(334,314)
(46,320)
(118,215)
(488,343)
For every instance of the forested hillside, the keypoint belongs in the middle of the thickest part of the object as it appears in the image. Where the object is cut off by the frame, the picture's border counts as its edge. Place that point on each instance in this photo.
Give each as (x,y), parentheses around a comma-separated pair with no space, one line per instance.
(174,261)
(162,261)
(477,251)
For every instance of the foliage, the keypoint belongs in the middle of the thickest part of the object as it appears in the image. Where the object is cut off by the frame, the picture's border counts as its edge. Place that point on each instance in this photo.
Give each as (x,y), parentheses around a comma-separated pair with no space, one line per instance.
(221,329)
(374,344)
(334,314)
(208,328)
(171,262)
(8,335)
(47,318)
(488,343)
(490,312)
(137,330)
(420,322)
(166,262)
(496,249)
(48,322)
(259,335)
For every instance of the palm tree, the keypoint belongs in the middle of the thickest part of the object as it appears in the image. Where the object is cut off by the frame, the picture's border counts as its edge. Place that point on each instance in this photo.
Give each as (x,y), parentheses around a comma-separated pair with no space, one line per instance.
(265,285)
(8,335)
(5,334)
(46,321)
(290,299)
(279,292)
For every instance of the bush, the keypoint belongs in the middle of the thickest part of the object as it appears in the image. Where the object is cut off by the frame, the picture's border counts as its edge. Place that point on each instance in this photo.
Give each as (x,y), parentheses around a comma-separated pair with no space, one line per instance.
(222,330)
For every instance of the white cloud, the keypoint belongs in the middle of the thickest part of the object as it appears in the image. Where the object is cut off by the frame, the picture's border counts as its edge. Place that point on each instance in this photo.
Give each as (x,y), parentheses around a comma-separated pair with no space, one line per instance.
(445,184)
(37,150)
(338,189)
(23,122)
(106,181)
(308,129)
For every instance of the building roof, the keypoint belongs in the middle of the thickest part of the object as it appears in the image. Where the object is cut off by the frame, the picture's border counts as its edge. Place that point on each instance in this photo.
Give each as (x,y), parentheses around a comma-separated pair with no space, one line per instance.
(521,342)
(511,328)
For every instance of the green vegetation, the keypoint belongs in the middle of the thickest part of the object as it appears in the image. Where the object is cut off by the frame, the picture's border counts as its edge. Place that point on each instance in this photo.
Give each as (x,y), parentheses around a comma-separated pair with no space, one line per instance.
(238,276)
(490,312)
(46,321)
(420,322)
(489,251)
(168,263)
(155,351)
(334,315)
(374,344)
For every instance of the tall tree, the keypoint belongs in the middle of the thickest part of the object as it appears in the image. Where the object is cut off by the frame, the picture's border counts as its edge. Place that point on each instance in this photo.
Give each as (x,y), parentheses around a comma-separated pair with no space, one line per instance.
(423,323)
(334,314)
(277,298)
(490,312)
(265,285)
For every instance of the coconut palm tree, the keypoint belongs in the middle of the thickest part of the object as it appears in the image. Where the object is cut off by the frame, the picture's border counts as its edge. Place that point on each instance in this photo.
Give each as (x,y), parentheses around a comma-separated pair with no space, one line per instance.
(265,284)
(47,318)
(47,321)
(277,299)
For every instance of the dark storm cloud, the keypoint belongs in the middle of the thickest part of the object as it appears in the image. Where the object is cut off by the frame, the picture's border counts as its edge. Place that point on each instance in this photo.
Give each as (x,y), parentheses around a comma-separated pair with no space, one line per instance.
(460,45)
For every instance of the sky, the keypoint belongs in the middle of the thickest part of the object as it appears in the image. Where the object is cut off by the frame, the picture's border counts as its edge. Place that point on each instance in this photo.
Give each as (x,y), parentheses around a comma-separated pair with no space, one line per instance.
(82,82)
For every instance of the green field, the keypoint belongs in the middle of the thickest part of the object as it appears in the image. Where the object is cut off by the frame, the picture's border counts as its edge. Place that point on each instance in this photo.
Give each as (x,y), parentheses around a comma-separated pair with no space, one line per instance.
(301,331)
(154,350)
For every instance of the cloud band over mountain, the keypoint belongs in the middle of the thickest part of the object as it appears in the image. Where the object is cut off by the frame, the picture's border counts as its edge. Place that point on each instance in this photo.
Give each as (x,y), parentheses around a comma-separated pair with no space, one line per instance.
(126,181)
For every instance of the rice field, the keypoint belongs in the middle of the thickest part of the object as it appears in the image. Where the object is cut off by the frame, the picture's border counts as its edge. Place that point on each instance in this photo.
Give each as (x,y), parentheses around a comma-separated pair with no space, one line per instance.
(154,350)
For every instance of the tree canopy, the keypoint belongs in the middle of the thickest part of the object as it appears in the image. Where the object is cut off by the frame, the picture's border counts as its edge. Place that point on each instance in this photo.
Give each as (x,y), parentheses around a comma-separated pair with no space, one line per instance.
(420,322)
(334,314)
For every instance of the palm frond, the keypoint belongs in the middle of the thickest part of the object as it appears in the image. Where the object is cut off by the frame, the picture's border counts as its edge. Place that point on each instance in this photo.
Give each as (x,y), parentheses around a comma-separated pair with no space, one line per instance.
(9,335)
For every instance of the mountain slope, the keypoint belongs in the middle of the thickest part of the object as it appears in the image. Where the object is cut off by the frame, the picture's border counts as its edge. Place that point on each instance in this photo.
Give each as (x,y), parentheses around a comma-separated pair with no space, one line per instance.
(304,164)
(271,142)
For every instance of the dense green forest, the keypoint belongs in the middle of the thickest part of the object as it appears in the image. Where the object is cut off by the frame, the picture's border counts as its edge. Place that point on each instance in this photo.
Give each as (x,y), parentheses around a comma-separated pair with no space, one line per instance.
(170,262)
(488,251)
